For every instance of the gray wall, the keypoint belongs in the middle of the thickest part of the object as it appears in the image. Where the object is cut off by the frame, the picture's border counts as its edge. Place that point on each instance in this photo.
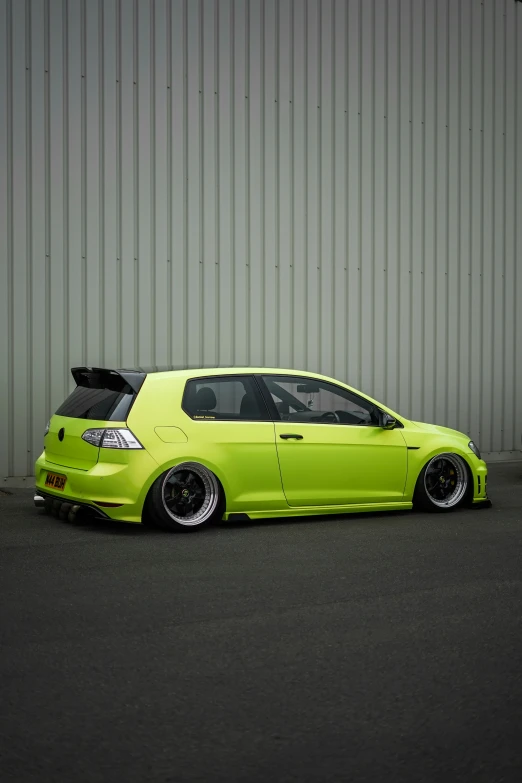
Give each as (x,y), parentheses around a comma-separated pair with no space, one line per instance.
(330,185)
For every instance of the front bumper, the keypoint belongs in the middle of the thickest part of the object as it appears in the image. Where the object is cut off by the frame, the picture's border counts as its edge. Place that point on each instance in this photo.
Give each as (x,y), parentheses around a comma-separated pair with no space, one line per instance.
(122,478)
(480,482)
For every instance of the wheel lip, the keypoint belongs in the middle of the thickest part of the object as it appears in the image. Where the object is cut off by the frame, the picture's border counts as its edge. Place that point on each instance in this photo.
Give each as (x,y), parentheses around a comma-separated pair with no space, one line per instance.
(460,465)
(208,477)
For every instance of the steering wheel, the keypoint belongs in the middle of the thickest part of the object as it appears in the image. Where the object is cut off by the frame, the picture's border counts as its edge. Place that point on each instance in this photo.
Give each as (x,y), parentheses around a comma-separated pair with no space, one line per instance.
(329,416)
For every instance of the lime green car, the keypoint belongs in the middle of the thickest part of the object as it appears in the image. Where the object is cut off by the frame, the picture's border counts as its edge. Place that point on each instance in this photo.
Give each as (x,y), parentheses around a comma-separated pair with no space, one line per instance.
(183,448)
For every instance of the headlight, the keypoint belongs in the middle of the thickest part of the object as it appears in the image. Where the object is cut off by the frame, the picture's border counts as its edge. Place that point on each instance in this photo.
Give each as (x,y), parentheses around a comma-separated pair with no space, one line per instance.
(47,427)
(474,448)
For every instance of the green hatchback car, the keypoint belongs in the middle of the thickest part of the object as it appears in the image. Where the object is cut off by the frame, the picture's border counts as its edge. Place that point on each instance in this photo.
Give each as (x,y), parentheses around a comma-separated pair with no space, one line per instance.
(183,448)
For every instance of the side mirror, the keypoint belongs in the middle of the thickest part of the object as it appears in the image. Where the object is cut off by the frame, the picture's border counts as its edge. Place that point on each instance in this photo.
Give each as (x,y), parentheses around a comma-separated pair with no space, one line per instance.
(387,422)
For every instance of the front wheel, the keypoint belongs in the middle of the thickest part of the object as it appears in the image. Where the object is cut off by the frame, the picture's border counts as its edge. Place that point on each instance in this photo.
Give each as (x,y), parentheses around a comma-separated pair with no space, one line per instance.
(185,498)
(443,484)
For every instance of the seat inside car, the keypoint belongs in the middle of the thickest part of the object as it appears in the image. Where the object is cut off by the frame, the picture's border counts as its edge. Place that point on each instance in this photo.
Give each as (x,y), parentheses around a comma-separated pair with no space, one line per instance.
(249,408)
(204,401)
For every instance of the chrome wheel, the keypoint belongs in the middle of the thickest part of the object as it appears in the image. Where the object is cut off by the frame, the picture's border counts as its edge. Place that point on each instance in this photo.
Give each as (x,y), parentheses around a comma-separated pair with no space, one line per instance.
(190,494)
(446,480)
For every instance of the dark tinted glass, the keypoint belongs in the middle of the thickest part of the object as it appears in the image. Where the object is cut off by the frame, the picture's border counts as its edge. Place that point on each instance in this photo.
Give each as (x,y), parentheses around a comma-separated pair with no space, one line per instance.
(100,404)
(231,398)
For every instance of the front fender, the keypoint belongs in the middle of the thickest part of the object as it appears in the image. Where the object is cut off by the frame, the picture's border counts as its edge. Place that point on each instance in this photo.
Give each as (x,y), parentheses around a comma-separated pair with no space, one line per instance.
(418,457)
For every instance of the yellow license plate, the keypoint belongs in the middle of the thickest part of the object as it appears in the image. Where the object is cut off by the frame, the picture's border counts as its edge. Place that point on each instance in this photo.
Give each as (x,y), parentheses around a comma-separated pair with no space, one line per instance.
(55,481)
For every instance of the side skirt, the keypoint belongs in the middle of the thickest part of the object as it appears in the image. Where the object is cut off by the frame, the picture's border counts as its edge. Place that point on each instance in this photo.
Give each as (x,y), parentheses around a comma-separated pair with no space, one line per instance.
(309,511)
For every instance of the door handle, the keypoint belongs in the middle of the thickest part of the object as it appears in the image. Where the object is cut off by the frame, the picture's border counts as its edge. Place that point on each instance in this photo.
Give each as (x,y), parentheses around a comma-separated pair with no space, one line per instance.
(287,436)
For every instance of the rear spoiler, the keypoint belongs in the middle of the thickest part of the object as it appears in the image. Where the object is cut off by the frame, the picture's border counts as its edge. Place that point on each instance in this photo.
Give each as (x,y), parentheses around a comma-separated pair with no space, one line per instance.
(102,378)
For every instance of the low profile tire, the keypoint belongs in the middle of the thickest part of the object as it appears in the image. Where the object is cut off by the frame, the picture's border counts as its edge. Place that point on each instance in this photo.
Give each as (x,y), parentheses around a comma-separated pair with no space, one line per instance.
(444,484)
(185,498)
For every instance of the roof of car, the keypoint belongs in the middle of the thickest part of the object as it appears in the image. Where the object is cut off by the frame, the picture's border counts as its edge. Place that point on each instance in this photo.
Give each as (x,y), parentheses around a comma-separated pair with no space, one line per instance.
(196,372)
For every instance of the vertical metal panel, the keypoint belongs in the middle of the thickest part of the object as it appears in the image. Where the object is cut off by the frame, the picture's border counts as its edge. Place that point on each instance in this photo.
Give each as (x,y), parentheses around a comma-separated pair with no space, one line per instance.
(271,205)
(256,200)
(353,200)
(134,260)
(17,234)
(476,215)
(285,180)
(379,184)
(515,23)
(330,184)
(109,199)
(210,180)
(405,221)
(313,180)
(6,253)
(339,191)
(36,222)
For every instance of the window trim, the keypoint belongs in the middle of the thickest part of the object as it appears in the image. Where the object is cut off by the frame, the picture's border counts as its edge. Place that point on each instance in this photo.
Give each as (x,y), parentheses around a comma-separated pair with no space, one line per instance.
(276,415)
(212,379)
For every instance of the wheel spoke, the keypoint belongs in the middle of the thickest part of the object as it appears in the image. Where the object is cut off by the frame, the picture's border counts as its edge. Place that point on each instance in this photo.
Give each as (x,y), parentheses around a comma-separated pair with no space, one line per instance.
(185,493)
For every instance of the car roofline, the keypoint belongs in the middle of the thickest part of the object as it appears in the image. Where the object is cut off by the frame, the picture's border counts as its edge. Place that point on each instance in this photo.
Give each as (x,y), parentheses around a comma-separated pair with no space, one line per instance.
(204,372)
(136,375)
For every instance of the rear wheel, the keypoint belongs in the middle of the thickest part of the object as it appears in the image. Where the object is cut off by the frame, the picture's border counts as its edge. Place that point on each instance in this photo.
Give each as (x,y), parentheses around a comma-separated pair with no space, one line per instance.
(185,498)
(443,484)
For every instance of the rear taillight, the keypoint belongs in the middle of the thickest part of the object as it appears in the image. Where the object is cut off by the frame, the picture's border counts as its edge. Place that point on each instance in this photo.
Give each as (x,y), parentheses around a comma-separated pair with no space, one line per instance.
(112,439)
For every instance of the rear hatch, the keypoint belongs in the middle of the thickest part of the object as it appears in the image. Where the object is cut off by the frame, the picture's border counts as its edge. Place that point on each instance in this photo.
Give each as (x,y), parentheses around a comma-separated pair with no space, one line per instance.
(102,398)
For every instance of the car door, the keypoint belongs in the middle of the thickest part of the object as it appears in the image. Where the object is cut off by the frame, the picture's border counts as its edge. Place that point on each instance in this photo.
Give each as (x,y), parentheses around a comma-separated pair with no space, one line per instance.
(331,448)
(229,428)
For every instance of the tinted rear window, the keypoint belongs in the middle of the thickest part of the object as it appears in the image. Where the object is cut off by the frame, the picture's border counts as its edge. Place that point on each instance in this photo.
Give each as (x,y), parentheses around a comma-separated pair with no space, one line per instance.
(232,398)
(103,399)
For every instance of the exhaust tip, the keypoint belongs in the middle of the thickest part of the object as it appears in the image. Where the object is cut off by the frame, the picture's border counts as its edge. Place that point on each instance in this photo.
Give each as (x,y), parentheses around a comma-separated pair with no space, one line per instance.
(64,511)
(39,501)
(71,516)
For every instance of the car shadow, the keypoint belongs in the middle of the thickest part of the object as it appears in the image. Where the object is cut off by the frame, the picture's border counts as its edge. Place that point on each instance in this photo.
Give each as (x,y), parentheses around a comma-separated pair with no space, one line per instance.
(111,527)
(100,525)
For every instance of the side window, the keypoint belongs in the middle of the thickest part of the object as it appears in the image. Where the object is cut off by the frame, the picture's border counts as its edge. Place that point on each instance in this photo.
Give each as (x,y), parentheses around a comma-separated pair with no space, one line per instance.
(231,398)
(319,402)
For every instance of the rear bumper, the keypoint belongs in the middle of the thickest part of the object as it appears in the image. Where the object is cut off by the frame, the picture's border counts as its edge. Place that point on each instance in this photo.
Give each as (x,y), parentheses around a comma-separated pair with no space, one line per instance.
(65,508)
(124,482)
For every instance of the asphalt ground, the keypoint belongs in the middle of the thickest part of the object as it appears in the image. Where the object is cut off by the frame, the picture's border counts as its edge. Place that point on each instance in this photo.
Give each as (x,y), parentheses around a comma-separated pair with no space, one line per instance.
(360,648)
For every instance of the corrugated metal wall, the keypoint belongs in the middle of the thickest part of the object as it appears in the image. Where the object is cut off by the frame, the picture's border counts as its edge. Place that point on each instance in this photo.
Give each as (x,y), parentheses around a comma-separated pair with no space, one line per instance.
(327,184)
